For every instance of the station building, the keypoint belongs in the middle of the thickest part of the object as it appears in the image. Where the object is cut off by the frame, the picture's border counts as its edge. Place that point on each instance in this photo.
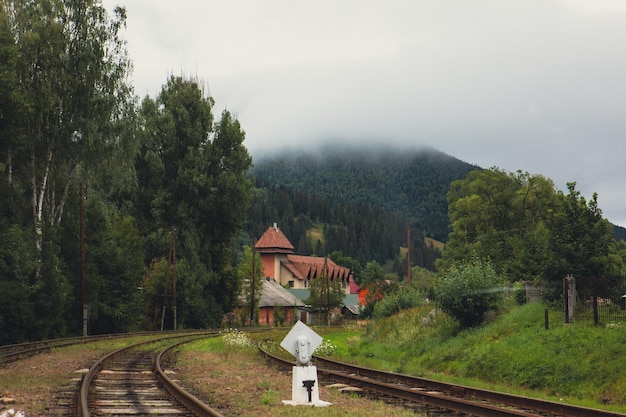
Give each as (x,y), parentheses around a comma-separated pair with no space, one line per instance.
(296,271)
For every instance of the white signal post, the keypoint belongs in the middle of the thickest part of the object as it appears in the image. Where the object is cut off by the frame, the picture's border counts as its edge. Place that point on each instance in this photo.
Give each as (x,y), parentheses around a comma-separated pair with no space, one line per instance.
(301,342)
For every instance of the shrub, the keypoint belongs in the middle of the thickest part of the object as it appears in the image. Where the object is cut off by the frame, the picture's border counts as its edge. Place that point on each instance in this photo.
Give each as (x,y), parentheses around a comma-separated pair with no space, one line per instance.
(402,299)
(468,290)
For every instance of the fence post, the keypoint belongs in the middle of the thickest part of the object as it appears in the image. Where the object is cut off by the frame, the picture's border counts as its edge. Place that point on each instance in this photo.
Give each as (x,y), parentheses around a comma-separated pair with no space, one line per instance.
(595,301)
(569,296)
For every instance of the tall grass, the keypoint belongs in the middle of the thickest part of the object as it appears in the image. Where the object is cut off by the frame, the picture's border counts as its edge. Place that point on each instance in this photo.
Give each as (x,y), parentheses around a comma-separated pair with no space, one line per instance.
(585,363)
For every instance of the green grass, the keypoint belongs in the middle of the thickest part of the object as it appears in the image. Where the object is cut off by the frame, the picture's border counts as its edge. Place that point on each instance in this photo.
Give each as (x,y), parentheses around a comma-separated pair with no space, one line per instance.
(578,363)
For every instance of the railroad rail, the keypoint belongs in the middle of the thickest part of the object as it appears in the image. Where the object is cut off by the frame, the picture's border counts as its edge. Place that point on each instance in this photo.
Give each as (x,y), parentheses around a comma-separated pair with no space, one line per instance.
(9,353)
(131,380)
(454,397)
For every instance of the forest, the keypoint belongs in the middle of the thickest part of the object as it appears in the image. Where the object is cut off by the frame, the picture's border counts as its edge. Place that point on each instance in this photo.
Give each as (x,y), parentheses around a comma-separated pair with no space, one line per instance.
(409,183)
(361,201)
(116,211)
(97,187)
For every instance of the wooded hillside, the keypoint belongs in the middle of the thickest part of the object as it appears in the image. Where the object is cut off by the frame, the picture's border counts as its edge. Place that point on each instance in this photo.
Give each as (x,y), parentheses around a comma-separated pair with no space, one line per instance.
(410,183)
(360,201)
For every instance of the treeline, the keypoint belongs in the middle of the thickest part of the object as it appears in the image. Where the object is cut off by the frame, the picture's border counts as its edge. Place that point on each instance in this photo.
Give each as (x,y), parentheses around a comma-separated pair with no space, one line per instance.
(530,231)
(155,192)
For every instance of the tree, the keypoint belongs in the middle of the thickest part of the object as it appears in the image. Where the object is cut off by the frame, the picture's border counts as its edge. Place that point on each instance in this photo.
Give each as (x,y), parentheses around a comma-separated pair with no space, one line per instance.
(12,106)
(582,238)
(326,294)
(372,273)
(340,259)
(482,216)
(114,270)
(17,256)
(73,70)
(505,217)
(246,275)
(192,175)
(422,279)
(527,229)
(467,290)
(66,70)
(17,261)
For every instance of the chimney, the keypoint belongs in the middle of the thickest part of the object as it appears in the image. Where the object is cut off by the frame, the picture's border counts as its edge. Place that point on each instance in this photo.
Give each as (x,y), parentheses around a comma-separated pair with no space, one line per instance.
(276,226)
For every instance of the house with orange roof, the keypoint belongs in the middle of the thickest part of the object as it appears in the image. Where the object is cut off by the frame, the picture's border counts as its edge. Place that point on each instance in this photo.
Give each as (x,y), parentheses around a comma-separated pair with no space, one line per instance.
(296,271)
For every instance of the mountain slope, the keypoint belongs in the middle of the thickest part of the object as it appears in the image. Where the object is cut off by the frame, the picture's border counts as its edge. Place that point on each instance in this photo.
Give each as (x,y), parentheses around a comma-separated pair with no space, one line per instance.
(412,183)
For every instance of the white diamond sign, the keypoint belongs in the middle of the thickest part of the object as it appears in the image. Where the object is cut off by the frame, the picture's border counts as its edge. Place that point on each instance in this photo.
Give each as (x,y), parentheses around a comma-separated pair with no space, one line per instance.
(301,342)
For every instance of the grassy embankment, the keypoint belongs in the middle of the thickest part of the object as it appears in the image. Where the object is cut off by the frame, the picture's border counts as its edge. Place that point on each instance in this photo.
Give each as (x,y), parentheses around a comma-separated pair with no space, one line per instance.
(229,373)
(578,363)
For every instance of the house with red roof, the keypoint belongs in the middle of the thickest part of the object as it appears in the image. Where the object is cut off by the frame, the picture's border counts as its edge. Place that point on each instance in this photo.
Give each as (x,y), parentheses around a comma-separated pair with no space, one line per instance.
(295,271)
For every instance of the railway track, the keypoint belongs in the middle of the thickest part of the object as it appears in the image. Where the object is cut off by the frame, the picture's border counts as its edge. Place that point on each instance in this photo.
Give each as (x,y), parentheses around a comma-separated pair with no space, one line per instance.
(9,353)
(444,396)
(132,381)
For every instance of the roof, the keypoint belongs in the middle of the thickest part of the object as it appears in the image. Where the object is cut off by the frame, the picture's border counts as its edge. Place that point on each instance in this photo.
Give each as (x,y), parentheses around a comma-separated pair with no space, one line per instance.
(354,287)
(303,294)
(273,294)
(355,310)
(273,241)
(309,267)
(351,300)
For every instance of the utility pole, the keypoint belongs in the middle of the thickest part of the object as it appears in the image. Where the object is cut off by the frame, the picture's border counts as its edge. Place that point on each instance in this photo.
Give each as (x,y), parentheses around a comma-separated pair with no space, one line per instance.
(408,255)
(171,261)
(327,281)
(82,259)
(253,283)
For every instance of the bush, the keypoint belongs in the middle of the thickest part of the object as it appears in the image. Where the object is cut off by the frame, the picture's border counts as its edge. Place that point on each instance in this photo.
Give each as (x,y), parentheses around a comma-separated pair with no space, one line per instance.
(377,291)
(402,299)
(468,290)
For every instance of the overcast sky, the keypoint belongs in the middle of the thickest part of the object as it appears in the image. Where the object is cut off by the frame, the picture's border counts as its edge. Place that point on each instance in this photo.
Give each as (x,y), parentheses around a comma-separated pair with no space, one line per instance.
(534,85)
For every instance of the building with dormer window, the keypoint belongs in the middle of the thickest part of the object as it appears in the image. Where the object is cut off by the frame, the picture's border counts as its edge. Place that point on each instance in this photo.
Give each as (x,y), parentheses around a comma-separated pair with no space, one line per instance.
(296,271)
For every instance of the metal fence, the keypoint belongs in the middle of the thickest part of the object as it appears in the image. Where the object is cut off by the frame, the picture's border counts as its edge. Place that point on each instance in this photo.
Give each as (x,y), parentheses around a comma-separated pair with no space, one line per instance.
(601,299)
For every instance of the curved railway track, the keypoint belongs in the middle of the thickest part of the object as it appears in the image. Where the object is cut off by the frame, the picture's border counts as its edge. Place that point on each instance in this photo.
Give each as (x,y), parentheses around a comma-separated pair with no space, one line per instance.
(457,398)
(9,353)
(132,381)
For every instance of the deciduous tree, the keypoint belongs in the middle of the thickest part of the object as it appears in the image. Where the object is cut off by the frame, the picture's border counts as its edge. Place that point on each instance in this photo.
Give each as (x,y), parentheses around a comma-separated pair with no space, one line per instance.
(192,175)
(326,294)
(246,276)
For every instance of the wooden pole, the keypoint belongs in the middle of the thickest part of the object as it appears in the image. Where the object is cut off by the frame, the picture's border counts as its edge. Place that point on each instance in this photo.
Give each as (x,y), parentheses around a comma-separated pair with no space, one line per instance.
(408,255)
(253,282)
(166,284)
(327,280)
(173,255)
(82,260)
